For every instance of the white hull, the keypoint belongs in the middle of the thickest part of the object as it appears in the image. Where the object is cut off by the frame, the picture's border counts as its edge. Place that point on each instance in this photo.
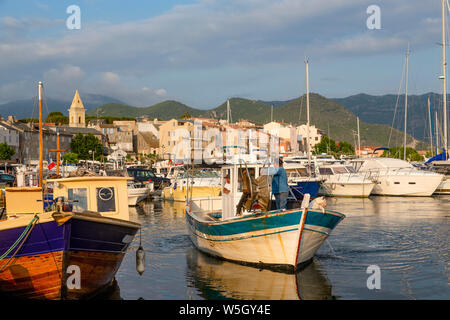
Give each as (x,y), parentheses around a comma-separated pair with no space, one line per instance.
(407,185)
(343,189)
(137,195)
(290,245)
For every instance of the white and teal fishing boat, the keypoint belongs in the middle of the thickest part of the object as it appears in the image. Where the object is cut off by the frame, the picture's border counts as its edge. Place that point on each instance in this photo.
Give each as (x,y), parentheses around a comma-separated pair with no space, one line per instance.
(252,233)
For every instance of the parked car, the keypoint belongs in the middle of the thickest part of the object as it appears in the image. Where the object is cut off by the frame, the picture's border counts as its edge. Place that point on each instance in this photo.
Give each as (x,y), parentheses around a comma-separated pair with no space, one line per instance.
(141,175)
(7,179)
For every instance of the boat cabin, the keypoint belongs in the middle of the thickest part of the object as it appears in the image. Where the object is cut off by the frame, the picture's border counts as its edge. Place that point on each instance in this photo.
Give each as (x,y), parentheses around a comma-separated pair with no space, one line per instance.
(107,196)
(236,183)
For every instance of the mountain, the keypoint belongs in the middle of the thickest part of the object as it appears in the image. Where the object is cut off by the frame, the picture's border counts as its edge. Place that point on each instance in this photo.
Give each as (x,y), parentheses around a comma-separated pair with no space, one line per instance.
(28,108)
(330,116)
(380,109)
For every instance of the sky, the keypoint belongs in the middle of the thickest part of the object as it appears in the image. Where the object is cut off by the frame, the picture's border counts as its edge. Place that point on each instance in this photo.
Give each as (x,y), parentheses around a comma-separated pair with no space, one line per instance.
(201,52)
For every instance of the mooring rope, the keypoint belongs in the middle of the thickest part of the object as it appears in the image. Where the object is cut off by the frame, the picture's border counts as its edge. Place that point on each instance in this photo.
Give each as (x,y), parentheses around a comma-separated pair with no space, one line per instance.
(24,236)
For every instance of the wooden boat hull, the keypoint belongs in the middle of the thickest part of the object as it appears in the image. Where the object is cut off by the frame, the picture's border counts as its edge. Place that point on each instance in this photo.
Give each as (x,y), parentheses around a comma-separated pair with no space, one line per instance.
(279,239)
(53,255)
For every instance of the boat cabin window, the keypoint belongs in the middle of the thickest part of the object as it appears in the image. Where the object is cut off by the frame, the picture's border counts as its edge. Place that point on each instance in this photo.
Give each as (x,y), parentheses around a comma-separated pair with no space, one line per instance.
(339,170)
(78,198)
(297,172)
(351,169)
(106,200)
(325,171)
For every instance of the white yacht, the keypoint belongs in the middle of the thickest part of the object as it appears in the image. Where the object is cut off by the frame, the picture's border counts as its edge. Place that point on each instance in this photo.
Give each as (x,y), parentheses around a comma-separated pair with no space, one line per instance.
(396,177)
(343,181)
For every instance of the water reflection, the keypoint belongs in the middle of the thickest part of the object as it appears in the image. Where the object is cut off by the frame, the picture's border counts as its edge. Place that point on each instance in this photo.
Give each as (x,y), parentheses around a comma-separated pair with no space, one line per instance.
(407,238)
(219,279)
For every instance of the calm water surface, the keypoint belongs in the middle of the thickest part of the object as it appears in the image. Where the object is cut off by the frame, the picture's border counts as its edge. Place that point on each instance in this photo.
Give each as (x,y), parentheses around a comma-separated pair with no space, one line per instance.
(407,238)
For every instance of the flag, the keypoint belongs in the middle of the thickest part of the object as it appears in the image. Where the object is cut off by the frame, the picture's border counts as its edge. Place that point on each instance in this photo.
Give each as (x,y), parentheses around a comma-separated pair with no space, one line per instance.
(51,164)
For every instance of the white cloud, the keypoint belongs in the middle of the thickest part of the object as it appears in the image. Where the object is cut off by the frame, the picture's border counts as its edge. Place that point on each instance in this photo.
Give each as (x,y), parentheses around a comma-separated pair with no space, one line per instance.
(239,34)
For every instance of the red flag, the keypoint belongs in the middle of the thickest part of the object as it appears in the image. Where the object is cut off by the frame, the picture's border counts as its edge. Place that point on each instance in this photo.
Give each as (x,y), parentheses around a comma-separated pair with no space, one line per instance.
(51,166)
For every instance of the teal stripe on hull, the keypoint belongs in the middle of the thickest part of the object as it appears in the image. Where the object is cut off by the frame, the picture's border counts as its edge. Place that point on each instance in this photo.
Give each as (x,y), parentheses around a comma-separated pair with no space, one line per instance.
(265,222)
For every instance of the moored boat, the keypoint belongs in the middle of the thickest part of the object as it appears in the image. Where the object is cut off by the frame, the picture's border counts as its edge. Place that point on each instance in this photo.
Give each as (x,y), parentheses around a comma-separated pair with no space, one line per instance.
(71,252)
(254,234)
(138,192)
(396,177)
(71,249)
(343,181)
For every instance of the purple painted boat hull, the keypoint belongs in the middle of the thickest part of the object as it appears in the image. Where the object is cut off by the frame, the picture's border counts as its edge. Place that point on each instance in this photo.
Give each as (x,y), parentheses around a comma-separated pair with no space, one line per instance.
(87,244)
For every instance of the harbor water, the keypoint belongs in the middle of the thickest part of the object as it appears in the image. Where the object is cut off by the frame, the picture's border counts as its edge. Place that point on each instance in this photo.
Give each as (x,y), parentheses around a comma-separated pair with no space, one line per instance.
(405,240)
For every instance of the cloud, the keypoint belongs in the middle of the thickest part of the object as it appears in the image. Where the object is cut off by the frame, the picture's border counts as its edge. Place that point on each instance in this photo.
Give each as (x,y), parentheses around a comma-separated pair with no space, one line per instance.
(123,58)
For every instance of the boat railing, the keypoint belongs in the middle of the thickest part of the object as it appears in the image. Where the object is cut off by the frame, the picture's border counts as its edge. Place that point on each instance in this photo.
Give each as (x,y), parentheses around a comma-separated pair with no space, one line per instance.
(395,171)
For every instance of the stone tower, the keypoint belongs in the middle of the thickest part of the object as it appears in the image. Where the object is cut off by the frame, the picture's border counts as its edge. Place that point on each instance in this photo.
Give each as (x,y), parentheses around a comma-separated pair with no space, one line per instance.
(77,112)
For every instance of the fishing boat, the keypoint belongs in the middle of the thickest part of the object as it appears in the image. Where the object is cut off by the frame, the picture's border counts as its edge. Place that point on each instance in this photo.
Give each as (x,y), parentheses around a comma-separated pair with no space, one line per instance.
(71,250)
(343,181)
(252,233)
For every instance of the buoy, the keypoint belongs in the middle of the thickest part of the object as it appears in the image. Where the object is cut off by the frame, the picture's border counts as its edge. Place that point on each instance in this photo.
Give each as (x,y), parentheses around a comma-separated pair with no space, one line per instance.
(140,260)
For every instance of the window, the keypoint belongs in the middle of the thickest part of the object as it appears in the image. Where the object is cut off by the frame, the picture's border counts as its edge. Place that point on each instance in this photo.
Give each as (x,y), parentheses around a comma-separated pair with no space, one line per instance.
(78,197)
(325,171)
(106,200)
(340,170)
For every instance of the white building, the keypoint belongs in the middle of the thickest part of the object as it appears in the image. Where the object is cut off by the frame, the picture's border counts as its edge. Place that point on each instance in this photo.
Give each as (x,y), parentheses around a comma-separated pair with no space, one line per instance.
(285,131)
(314,135)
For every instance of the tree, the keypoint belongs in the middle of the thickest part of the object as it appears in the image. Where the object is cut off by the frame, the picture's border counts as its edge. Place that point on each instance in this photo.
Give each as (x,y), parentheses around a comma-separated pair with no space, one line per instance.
(397,152)
(6,152)
(81,144)
(57,117)
(185,116)
(329,146)
(346,148)
(326,145)
(70,157)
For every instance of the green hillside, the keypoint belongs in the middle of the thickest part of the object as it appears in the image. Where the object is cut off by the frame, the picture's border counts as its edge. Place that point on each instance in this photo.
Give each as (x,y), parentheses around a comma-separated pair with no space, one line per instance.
(380,109)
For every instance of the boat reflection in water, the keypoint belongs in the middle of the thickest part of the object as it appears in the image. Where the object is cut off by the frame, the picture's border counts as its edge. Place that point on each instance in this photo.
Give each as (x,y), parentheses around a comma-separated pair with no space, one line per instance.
(219,279)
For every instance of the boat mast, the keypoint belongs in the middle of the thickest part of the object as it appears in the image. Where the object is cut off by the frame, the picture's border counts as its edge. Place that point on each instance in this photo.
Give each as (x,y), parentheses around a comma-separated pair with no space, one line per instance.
(444,77)
(406,105)
(307,117)
(431,130)
(41,159)
(228,111)
(436,126)
(359,138)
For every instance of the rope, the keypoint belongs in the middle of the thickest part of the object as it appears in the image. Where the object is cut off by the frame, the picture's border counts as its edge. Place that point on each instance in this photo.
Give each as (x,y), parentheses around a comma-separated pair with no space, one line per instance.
(26,232)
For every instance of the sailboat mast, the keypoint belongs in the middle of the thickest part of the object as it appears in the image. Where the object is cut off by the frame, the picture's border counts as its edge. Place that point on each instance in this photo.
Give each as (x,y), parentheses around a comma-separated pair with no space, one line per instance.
(359,137)
(436,130)
(406,105)
(431,130)
(41,159)
(228,111)
(307,116)
(444,76)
